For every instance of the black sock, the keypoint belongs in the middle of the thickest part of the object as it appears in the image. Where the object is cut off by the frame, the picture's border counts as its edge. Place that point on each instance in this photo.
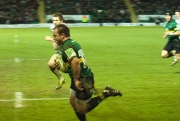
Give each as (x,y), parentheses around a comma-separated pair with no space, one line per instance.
(96,101)
(81,117)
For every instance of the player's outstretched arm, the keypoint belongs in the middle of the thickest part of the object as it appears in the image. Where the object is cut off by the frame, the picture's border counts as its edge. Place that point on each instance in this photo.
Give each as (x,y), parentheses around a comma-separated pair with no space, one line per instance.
(48,38)
(54,44)
(177,33)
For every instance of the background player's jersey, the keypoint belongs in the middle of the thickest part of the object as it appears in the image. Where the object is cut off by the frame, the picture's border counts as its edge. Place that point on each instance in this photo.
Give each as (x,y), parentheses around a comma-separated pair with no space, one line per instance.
(52,28)
(178,24)
(171,27)
(71,49)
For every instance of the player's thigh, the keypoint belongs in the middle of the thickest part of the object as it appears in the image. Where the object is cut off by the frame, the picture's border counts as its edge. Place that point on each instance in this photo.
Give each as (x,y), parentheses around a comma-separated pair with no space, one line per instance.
(177,46)
(72,97)
(167,48)
(51,60)
(81,106)
(177,49)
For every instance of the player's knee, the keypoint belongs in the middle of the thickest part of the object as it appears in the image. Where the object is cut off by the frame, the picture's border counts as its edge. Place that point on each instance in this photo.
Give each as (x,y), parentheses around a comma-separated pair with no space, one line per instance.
(50,64)
(164,55)
(51,61)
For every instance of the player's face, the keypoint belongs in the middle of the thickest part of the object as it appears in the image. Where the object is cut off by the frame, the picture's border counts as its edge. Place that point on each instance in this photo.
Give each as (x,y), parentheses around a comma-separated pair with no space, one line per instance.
(168,18)
(177,14)
(56,21)
(58,37)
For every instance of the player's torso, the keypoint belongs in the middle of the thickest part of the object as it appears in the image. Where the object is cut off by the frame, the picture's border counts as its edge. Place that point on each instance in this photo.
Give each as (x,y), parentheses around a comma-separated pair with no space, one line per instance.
(70,49)
(170,27)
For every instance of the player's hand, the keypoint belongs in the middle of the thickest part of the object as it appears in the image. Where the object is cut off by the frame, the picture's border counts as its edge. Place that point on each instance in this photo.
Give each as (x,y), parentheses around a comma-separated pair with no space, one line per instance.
(165,34)
(48,38)
(78,84)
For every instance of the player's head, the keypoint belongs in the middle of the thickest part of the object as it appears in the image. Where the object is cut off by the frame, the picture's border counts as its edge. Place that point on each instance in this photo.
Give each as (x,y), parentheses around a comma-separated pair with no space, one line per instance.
(168,17)
(177,14)
(61,33)
(57,18)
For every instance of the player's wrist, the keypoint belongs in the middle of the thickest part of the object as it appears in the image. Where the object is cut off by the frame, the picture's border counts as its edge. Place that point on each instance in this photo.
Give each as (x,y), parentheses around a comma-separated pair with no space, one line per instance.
(171,33)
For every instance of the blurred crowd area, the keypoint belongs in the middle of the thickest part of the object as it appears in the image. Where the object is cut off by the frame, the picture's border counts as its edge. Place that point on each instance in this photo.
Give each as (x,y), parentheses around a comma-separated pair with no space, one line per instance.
(18,11)
(155,7)
(101,11)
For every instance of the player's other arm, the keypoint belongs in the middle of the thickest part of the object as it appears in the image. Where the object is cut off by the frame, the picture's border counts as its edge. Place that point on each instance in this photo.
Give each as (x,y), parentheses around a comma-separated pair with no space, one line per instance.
(54,44)
(76,69)
(177,33)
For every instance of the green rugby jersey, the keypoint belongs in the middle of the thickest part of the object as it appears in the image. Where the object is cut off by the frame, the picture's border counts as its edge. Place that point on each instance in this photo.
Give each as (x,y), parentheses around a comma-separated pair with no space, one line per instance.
(170,27)
(70,49)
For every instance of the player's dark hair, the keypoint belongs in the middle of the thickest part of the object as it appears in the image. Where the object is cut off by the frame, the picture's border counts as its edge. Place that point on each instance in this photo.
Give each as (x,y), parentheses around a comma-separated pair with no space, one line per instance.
(62,28)
(58,14)
(169,14)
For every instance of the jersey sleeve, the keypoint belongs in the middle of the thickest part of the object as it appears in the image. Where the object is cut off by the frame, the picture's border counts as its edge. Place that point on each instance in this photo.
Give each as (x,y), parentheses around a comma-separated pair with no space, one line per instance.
(70,54)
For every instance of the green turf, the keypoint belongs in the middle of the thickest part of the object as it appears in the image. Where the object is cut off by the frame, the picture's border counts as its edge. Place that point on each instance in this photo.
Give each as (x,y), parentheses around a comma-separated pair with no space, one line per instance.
(127,58)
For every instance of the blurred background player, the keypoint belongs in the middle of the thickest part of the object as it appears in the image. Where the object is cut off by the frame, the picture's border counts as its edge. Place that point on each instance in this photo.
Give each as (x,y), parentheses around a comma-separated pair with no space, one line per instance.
(173,42)
(177,15)
(177,20)
(57,19)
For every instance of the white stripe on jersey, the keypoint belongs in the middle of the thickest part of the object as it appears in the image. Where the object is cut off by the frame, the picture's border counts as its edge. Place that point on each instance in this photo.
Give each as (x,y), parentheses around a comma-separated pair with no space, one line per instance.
(178,23)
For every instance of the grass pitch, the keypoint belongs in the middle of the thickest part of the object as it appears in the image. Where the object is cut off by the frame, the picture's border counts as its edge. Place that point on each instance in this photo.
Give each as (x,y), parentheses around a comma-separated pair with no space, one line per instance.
(127,58)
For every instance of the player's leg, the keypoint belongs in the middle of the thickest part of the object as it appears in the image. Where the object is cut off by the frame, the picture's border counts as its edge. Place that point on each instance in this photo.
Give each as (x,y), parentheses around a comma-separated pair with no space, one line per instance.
(177,51)
(56,71)
(175,58)
(166,52)
(84,106)
(108,91)
(169,51)
(88,84)
(81,116)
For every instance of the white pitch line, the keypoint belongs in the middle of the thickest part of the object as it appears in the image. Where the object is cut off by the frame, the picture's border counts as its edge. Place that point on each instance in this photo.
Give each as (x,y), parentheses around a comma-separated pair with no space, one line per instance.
(18,99)
(18,59)
(33,99)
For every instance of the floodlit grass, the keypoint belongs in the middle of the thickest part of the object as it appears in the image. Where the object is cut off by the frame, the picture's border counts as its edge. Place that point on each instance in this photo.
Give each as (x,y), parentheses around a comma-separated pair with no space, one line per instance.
(127,58)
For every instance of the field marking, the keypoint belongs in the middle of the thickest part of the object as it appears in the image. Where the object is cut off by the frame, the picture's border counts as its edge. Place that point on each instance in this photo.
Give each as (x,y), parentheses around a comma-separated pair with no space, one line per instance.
(32,99)
(18,100)
(18,59)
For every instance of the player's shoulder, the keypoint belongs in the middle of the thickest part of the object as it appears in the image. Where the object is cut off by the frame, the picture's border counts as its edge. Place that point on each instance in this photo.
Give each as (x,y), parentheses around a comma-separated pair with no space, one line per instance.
(70,43)
(173,21)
